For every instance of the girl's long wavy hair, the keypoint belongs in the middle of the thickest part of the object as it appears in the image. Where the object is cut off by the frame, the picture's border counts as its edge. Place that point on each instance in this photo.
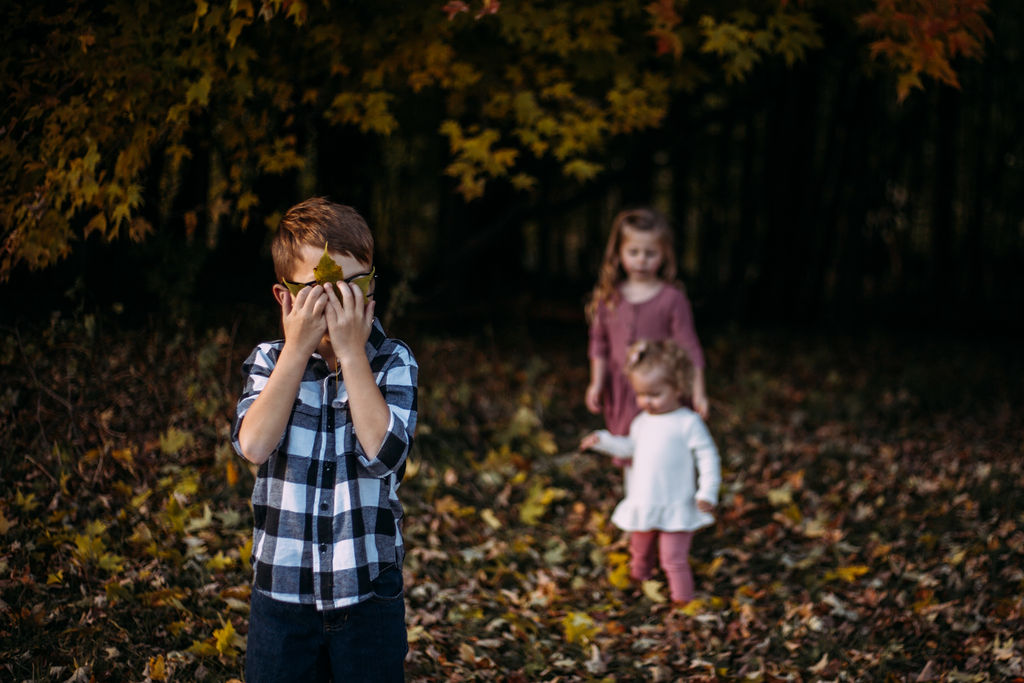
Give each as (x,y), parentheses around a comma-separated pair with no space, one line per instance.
(665,355)
(606,290)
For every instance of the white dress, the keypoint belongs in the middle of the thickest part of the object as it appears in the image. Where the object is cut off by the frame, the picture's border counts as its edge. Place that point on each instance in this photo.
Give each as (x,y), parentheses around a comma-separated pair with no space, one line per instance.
(674,462)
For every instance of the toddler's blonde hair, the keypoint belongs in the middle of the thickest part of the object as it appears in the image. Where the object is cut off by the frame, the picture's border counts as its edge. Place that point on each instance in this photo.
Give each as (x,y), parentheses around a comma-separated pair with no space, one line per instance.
(665,355)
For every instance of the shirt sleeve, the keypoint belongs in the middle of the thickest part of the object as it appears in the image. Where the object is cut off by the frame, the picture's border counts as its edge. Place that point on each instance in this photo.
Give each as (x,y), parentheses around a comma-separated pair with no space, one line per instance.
(398,383)
(705,456)
(683,329)
(598,345)
(615,446)
(256,369)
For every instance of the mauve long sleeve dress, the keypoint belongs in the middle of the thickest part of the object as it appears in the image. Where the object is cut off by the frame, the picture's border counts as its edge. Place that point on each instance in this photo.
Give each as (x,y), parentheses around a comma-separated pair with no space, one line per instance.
(666,315)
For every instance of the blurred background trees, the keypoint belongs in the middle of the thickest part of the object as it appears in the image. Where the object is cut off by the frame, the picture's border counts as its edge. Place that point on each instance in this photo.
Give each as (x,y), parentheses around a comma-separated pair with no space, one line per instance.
(840,162)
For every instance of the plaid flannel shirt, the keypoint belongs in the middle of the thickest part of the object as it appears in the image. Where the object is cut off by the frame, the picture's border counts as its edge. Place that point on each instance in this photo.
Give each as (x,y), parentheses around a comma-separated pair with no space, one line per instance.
(327,518)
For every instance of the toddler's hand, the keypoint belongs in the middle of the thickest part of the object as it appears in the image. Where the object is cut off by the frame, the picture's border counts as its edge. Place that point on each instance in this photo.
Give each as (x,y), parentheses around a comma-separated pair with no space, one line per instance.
(705,506)
(302,317)
(589,441)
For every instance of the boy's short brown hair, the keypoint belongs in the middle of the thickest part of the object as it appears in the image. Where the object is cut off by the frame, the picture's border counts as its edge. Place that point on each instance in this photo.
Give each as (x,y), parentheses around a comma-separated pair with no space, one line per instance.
(316,222)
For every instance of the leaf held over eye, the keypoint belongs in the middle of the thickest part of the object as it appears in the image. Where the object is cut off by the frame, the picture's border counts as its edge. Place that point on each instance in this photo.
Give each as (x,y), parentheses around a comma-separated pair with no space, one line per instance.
(327,270)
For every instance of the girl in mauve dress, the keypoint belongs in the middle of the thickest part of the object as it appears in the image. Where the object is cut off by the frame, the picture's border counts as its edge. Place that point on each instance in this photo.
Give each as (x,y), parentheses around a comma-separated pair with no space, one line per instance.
(672,489)
(637,296)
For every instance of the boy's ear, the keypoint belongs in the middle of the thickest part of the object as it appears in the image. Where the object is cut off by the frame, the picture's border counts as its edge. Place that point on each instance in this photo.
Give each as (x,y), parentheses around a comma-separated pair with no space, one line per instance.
(280,292)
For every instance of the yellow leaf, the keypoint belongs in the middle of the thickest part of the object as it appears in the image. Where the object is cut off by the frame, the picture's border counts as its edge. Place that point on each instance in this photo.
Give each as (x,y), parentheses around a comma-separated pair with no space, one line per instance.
(203,649)
(110,562)
(224,638)
(579,628)
(848,574)
(173,440)
(219,562)
(56,578)
(155,668)
(199,92)
(5,524)
(26,503)
(692,608)
(652,589)
(490,519)
(619,575)
(714,565)
(581,169)
(123,456)
(781,496)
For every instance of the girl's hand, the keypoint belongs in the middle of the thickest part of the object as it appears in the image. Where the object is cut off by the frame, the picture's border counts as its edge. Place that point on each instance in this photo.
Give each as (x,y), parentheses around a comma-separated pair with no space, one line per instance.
(701,405)
(705,506)
(303,318)
(349,320)
(593,397)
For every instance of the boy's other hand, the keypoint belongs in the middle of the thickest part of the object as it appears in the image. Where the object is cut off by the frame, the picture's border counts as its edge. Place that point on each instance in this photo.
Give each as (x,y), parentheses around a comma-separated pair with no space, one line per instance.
(349,320)
(303,317)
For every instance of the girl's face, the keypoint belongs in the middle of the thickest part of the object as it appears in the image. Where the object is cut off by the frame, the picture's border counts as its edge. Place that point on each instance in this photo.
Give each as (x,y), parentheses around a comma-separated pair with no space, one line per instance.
(641,254)
(655,394)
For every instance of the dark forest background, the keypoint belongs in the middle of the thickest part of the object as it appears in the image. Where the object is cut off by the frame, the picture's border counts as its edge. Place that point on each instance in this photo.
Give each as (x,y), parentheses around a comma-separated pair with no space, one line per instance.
(804,194)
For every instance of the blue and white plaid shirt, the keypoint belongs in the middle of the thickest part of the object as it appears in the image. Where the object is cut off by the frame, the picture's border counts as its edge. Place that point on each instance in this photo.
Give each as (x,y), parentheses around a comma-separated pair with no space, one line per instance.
(327,518)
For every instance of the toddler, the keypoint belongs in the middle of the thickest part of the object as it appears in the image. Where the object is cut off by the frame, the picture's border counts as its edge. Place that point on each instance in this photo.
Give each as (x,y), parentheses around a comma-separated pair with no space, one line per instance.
(672,488)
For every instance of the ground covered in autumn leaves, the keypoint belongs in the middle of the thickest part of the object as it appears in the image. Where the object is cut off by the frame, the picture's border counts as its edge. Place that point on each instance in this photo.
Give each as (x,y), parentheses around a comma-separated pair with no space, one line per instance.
(870,525)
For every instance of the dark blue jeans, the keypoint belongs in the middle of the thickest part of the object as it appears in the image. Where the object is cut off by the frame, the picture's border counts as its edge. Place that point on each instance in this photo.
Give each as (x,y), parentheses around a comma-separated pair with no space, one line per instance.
(365,642)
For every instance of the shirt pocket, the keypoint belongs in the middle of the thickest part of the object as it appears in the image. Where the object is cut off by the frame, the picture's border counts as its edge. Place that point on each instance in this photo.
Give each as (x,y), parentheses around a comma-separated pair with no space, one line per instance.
(307,403)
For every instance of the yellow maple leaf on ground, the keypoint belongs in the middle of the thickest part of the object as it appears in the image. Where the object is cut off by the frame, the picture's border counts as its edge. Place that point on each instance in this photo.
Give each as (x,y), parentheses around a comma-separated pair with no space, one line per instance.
(848,574)
(579,627)
(652,589)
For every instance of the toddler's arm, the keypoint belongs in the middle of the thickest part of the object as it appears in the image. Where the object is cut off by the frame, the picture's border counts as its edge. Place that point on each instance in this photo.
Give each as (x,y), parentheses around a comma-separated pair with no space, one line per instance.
(604,442)
(709,475)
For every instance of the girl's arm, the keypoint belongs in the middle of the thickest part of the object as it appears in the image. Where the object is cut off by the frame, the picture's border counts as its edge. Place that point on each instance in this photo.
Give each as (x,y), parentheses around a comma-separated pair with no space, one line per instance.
(700,396)
(685,334)
(598,368)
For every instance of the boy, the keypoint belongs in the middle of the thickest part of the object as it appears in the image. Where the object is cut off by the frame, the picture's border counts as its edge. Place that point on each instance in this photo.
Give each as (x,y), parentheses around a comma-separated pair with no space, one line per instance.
(328,414)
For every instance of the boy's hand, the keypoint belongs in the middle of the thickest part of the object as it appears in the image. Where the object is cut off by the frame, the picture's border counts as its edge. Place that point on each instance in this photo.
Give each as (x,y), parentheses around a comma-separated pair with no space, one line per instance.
(303,318)
(349,320)
(705,506)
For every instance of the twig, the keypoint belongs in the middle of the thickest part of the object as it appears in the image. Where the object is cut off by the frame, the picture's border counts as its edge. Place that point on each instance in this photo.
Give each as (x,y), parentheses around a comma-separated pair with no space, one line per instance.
(43,470)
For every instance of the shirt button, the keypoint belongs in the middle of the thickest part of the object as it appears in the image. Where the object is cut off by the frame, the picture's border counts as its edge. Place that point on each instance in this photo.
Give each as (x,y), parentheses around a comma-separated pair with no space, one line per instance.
(323,506)
(323,547)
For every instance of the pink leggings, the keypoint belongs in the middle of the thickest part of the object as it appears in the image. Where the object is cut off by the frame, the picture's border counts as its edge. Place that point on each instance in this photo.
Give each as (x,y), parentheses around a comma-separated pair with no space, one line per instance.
(673,548)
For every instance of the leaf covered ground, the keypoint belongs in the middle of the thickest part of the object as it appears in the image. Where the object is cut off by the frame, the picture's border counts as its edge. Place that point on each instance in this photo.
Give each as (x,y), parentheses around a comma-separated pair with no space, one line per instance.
(870,526)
